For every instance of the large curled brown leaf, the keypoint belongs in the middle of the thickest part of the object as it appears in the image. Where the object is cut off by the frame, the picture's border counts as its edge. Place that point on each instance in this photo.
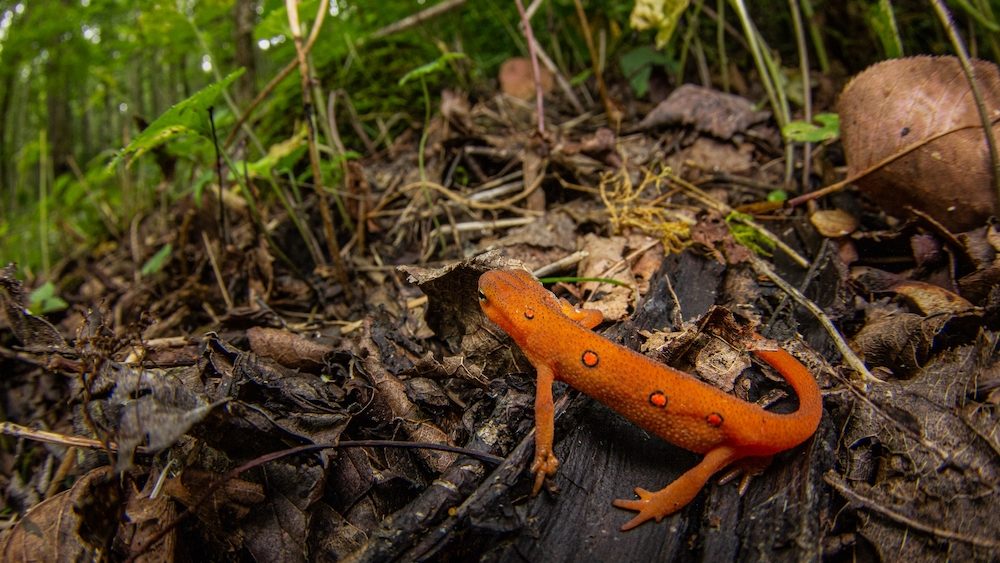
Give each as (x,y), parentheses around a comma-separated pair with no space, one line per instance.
(898,103)
(74,525)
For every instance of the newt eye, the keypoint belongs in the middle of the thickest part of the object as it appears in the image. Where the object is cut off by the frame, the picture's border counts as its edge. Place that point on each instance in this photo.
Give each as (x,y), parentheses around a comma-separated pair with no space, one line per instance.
(482,296)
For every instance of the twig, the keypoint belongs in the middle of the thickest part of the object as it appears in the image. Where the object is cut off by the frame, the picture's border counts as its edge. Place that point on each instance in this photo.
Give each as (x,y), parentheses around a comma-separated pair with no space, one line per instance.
(720,207)
(18,431)
(609,109)
(837,186)
(535,71)
(480,226)
(313,35)
(475,204)
(305,77)
(223,231)
(800,43)
(416,19)
(561,263)
(65,466)
(838,483)
(218,273)
(564,85)
(846,352)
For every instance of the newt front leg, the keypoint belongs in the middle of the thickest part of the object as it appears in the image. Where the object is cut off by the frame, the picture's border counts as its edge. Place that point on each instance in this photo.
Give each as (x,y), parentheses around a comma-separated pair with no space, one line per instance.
(545,463)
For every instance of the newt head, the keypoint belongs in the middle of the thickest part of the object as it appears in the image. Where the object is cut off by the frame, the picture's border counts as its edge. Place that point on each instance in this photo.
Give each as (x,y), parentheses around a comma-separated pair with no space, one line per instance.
(516,302)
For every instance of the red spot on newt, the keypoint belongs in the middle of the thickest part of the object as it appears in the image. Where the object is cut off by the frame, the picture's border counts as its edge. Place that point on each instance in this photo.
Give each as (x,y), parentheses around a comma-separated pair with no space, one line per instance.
(658,399)
(616,376)
(714,419)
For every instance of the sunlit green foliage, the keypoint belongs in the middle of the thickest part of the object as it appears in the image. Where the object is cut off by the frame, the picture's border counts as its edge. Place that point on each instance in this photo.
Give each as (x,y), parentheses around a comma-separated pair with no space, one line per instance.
(825,126)
(81,79)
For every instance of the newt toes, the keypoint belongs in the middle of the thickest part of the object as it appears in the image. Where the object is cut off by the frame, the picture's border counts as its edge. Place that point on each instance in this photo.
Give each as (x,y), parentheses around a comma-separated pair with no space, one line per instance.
(557,340)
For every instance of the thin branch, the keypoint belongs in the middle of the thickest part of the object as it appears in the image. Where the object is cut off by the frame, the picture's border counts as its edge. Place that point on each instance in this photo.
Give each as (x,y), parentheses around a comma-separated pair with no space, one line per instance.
(305,77)
(416,19)
(313,35)
(800,42)
(837,186)
(838,483)
(609,108)
(535,71)
(846,352)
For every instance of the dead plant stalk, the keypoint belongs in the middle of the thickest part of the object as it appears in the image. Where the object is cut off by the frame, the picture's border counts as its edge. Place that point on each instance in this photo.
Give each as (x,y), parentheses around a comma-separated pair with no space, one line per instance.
(308,104)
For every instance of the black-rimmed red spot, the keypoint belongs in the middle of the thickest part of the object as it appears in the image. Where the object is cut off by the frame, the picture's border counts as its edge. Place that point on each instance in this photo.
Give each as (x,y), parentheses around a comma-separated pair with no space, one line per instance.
(714,419)
(529,314)
(658,399)
(590,358)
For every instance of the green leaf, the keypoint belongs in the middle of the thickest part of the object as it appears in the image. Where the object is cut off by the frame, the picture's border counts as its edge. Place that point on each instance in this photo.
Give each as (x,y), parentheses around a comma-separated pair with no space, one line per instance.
(186,117)
(282,154)
(661,15)
(156,262)
(430,68)
(776,196)
(43,292)
(637,66)
(44,300)
(577,279)
(804,132)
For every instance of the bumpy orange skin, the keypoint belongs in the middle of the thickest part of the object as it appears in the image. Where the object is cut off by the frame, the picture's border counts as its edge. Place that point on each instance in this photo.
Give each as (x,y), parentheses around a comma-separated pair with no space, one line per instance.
(557,340)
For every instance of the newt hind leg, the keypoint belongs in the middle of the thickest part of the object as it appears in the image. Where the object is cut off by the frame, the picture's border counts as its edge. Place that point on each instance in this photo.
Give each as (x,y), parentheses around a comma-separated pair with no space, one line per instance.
(747,468)
(676,495)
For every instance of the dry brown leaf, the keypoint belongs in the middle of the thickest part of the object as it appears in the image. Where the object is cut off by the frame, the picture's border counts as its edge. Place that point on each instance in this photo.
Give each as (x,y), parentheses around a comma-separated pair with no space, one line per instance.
(711,111)
(152,408)
(229,503)
(144,518)
(74,525)
(898,341)
(918,454)
(898,103)
(287,348)
(712,232)
(517,78)
(720,364)
(426,392)
(833,223)
(30,330)
(708,155)
(602,255)
(931,299)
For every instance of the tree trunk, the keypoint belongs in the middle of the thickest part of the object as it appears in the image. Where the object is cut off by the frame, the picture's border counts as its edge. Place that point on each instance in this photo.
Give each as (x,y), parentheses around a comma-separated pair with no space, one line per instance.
(6,174)
(60,129)
(244,15)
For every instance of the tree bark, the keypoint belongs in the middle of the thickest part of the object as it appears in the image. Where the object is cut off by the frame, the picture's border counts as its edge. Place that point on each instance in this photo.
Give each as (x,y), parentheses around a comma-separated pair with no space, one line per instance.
(6,175)
(60,129)
(244,16)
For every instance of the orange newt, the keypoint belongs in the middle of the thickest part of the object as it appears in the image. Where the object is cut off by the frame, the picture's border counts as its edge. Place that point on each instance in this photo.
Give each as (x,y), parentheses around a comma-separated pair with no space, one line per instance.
(557,340)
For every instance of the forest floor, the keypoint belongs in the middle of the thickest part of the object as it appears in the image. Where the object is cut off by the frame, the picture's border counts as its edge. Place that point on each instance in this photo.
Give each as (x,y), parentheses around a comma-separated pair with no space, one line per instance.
(243,402)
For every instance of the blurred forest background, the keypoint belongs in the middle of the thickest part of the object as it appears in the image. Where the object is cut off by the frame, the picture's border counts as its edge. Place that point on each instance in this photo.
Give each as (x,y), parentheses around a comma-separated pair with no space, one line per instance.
(79,80)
